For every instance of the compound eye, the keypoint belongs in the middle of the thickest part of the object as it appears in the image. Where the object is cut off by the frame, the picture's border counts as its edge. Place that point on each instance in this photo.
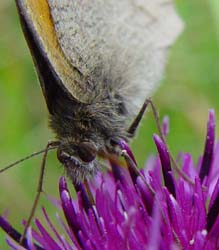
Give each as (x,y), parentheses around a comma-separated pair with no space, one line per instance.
(87,151)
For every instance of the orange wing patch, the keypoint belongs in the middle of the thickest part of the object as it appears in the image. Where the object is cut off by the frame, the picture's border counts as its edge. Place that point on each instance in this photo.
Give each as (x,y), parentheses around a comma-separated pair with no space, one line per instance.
(39,17)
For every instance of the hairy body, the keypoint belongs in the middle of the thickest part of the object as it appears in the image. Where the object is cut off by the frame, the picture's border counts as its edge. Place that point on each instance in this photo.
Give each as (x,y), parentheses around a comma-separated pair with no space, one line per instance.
(97,62)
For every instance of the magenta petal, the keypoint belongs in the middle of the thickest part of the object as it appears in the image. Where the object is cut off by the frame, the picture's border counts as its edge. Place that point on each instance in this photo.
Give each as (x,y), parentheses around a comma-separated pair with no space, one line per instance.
(213,213)
(155,236)
(126,147)
(213,236)
(145,194)
(166,166)
(199,207)
(14,245)
(69,212)
(68,231)
(83,197)
(9,229)
(49,242)
(139,212)
(62,184)
(176,218)
(30,240)
(52,227)
(209,147)
(16,236)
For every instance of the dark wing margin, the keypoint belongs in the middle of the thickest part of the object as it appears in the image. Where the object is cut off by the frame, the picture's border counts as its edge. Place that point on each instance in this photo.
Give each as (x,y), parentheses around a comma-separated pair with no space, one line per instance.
(47,76)
(56,75)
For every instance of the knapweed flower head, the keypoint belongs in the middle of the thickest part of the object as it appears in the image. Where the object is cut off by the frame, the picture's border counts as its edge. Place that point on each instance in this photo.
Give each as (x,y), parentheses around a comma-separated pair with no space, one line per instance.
(155,208)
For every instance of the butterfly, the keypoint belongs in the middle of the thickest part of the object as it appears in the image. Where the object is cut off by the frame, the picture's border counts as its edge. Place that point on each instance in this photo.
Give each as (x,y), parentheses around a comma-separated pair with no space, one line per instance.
(97,62)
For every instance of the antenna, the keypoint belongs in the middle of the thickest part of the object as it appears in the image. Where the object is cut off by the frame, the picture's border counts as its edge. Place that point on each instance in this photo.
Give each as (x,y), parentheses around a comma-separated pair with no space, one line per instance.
(26,158)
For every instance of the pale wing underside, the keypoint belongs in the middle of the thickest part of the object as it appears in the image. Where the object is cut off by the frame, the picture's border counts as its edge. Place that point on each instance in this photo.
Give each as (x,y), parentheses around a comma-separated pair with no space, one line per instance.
(39,31)
(121,44)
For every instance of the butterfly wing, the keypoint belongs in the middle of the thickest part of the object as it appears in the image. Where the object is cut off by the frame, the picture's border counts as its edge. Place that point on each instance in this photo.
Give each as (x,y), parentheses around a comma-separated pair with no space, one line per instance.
(87,48)
(55,72)
(119,44)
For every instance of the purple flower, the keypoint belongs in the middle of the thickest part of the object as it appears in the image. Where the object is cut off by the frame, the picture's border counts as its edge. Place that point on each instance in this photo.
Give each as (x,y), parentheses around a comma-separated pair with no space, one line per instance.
(151,209)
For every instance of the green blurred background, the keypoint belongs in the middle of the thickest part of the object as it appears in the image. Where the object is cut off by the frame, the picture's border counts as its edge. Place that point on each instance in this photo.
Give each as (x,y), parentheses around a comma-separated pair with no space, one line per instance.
(190,88)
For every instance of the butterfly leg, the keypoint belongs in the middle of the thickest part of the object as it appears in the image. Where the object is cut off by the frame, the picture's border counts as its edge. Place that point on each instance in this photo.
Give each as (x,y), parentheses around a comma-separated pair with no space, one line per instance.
(39,188)
(138,118)
(135,124)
